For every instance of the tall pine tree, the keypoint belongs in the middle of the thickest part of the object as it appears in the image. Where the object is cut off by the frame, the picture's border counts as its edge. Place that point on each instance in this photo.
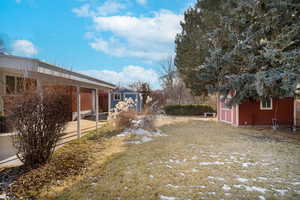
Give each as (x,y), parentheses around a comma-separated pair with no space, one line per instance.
(251,47)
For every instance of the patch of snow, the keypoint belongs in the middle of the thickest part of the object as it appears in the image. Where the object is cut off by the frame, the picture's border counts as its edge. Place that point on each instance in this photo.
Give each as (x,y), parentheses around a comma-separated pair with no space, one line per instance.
(238,186)
(262,178)
(141,132)
(198,186)
(3,196)
(251,188)
(261,198)
(243,180)
(227,194)
(162,197)
(247,164)
(194,158)
(296,183)
(281,192)
(146,139)
(182,174)
(226,187)
(211,193)
(217,178)
(212,163)
(151,176)
(172,186)
(195,170)
(168,166)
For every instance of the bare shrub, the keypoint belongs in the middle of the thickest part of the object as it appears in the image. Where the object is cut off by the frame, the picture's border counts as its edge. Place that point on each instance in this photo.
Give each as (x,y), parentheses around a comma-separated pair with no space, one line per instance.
(123,114)
(39,120)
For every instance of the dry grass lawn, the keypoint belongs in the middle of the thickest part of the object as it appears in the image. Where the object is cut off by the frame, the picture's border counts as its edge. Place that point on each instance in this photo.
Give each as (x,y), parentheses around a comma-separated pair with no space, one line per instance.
(197,160)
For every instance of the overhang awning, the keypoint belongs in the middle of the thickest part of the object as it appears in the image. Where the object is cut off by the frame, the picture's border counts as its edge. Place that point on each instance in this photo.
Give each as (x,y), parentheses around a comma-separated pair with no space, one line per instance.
(31,66)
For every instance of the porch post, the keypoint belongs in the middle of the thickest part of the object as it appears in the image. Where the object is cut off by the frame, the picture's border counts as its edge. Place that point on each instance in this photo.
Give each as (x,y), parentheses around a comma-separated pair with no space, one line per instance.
(109,101)
(39,87)
(97,109)
(78,112)
(140,101)
(136,101)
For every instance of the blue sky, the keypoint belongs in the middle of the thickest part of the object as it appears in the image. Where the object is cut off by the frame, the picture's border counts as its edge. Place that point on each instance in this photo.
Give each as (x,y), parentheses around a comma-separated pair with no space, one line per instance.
(119,41)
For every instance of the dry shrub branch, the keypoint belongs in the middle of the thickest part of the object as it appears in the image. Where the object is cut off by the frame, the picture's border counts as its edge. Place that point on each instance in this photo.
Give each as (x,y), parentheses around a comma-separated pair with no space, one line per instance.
(39,120)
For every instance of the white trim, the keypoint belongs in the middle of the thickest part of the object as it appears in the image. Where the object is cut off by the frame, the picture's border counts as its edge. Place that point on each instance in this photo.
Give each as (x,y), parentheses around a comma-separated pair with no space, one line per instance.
(109,102)
(232,108)
(96,98)
(238,114)
(78,111)
(227,122)
(271,108)
(295,112)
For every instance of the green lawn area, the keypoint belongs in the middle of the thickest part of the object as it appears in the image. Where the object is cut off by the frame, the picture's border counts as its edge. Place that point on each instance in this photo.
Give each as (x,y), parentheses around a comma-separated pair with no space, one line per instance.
(197,160)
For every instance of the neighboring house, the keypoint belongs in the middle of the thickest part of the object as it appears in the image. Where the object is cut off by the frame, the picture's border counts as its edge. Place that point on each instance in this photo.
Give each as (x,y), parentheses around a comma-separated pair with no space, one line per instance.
(259,113)
(120,94)
(16,73)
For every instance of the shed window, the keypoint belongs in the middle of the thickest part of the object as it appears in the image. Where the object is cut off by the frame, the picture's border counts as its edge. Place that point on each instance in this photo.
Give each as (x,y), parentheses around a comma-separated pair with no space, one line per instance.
(117,96)
(266,104)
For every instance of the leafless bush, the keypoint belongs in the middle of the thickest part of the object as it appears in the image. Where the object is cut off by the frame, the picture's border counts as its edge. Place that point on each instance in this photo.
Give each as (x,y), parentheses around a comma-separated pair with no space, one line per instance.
(123,114)
(39,120)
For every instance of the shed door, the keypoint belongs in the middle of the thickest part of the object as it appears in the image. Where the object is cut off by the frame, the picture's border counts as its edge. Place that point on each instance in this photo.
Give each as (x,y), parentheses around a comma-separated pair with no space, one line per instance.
(226,113)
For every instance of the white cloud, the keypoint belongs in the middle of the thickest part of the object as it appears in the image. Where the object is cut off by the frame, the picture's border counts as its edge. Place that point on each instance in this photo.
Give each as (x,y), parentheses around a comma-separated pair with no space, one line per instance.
(107,8)
(23,48)
(128,75)
(18,1)
(83,11)
(142,2)
(145,37)
(110,7)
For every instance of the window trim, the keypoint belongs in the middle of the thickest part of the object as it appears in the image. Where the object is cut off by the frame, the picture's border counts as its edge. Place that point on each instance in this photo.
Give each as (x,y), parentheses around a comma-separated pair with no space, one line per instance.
(268,108)
(114,96)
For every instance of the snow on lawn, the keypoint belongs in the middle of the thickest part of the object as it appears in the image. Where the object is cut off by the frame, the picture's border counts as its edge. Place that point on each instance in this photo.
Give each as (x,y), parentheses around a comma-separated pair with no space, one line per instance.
(142,135)
(162,197)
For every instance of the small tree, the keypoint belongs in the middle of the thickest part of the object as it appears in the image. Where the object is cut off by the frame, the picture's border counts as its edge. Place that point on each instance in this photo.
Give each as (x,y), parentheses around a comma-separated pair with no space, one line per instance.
(39,120)
(143,88)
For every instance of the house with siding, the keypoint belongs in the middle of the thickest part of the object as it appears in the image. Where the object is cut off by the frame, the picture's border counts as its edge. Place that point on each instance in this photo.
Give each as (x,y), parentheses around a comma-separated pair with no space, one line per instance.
(87,94)
(121,94)
(273,111)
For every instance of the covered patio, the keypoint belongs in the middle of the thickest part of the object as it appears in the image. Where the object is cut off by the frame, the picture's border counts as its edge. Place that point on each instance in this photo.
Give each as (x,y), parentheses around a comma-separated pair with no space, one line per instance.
(84,93)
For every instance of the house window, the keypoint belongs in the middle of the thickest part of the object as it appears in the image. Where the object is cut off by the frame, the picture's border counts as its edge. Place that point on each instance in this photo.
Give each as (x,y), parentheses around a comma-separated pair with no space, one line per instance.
(266,104)
(10,84)
(117,97)
(17,85)
(30,84)
(20,85)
